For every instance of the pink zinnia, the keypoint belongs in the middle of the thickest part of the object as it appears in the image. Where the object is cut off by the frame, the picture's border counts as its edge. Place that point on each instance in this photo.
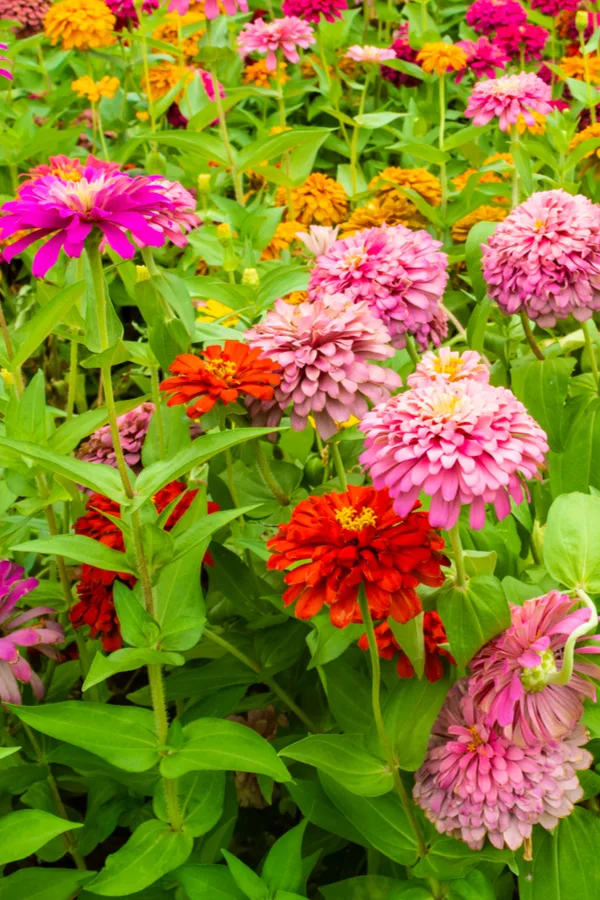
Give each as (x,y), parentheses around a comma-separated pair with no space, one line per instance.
(522,41)
(464,443)
(402,50)
(369,54)
(447,367)
(281,34)
(326,349)
(544,258)
(133,427)
(508,98)
(211,7)
(126,13)
(510,681)
(554,7)
(475,783)
(485,16)
(483,58)
(312,10)
(4,72)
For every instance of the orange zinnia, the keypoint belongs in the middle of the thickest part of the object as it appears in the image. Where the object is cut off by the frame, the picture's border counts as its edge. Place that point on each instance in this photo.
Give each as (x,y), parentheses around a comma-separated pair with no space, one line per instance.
(220,374)
(434,635)
(342,540)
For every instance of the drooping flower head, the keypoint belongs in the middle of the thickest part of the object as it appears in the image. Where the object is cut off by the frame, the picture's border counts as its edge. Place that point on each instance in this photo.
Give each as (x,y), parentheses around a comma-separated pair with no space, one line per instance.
(369,54)
(510,681)
(133,427)
(28,13)
(447,366)
(218,373)
(319,201)
(475,783)
(126,14)
(440,57)
(284,35)
(486,16)
(508,98)
(343,540)
(80,24)
(326,350)
(434,635)
(400,273)
(483,58)
(545,258)
(524,42)
(462,443)
(18,631)
(312,10)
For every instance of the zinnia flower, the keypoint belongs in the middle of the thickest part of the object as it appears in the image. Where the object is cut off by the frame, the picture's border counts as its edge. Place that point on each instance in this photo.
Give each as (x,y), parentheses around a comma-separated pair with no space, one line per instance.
(319,201)
(126,13)
(285,235)
(341,541)
(369,54)
(220,374)
(545,258)
(133,427)
(28,13)
(17,630)
(491,177)
(212,310)
(389,208)
(510,682)
(461,228)
(447,367)
(402,50)
(440,57)
(486,16)
(80,24)
(475,783)
(433,635)
(69,168)
(312,10)
(419,180)
(464,443)
(269,37)
(259,75)
(95,90)
(587,134)
(554,7)
(4,72)
(212,8)
(526,41)
(581,68)
(325,349)
(318,239)
(170,31)
(508,98)
(483,58)
(401,274)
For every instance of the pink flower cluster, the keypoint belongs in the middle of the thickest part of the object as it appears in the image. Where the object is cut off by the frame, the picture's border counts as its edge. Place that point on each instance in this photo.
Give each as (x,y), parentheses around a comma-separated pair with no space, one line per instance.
(126,13)
(312,10)
(522,41)
(554,7)
(211,7)
(133,427)
(508,98)
(284,35)
(402,50)
(483,58)
(486,16)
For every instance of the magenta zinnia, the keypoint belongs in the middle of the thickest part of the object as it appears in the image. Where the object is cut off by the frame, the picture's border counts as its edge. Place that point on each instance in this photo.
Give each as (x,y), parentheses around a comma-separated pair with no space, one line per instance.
(508,98)
(483,58)
(211,7)
(485,16)
(524,42)
(312,10)
(462,443)
(126,14)
(284,35)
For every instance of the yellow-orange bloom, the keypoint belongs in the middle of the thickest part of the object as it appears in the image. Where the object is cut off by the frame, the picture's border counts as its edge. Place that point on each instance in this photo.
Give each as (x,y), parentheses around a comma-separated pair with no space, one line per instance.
(256,73)
(80,24)
(419,180)
(441,58)
(319,201)
(94,90)
(164,77)
(171,28)
(460,181)
(391,209)
(294,298)
(587,134)
(538,128)
(575,67)
(142,115)
(211,310)
(461,228)
(284,236)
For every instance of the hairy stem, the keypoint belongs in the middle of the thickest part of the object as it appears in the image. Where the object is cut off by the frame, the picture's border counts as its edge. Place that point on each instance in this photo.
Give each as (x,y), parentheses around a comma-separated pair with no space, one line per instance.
(459,556)
(530,337)
(267,474)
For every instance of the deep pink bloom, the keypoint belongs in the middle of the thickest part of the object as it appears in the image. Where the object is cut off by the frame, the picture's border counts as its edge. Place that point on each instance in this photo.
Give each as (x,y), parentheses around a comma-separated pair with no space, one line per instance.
(369,54)
(554,7)
(281,34)
(508,98)
(133,427)
(483,58)
(326,349)
(475,783)
(69,168)
(211,7)
(312,10)
(400,273)
(544,258)
(510,674)
(17,630)
(447,367)
(402,50)
(4,72)
(522,41)
(462,443)
(485,16)
(126,13)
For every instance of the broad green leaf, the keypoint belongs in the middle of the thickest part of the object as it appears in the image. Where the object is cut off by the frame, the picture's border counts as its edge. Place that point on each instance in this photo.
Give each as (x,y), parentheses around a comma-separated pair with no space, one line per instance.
(409,713)
(25,831)
(127,660)
(577,468)
(412,640)
(377,119)
(70,434)
(202,882)
(566,861)
(349,696)
(327,643)
(475,886)
(201,797)
(571,546)
(81,548)
(180,608)
(283,870)
(8,751)
(202,530)
(449,858)
(151,851)
(423,151)
(478,322)
(25,418)
(316,806)
(345,758)
(473,615)
(259,151)
(248,881)
(369,887)
(33,333)
(463,136)
(122,735)
(138,628)
(201,146)
(38,883)
(543,388)
(478,235)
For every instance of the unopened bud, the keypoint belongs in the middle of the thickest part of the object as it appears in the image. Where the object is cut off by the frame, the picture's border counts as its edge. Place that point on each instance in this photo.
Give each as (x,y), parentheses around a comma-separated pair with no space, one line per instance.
(224,233)
(204,183)
(581,20)
(250,278)
(7,377)
(142,273)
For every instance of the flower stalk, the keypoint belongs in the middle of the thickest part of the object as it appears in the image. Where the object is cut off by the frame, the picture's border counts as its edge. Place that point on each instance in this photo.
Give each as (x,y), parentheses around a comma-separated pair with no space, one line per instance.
(565,673)
(459,556)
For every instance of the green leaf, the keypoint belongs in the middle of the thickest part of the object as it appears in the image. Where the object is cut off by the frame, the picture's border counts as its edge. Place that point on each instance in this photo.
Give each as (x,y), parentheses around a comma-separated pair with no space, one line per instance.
(201,796)
(80,548)
(42,884)
(374,887)
(478,322)
(316,806)
(463,136)
(138,628)
(25,831)
(122,735)
(477,236)
(566,861)
(571,546)
(180,609)
(449,858)
(8,751)
(523,165)
(327,643)
(377,119)
(248,881)
(423,151)
(260,151)
(25,418)
(409,714)
(151,851)
(283,870)
(201,531)
(543,388)
(345,758)
(473,615)
(578,467)
(195,146)
(70,434)
(33,333)
(203,882)
(127,660)
(412,640)
(349,696)
(224,746)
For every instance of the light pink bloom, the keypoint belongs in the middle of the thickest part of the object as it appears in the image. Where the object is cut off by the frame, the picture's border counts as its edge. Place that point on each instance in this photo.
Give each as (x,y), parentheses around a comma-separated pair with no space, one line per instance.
(462,443)
(211,7)
(281,34)
(369,54)
(179,217)
(545,258)
(508,98)
(400,273)
(325,349)
(510,674)
(133,427)
(448,366)
(475,783)
(319,238)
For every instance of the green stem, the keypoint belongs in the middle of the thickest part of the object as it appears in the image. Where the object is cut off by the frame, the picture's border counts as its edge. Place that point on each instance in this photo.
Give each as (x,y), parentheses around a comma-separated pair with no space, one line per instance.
(443,178)
(158,412)
(96,113)
(157,690)
(72,390)
(237,180)
(149,261)
(147,72)
(563,676)
(10,353)
(591,353)
(586,69)
(514,149)
(339,465)
(283,123)
(412,350)
(354,144)
(267,474)
(531,338)
(459,557)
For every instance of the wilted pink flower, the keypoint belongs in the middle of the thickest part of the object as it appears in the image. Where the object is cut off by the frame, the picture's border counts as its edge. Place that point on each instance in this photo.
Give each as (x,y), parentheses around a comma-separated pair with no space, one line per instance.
(544,258)
(475,783)
(179,216)
(485,16)
(281,34)
(133,427)
(508,98)
(325,349)
(483,58)
(126,13)
(510,682)
(319,238)
(522,41)
(447,366)
(29,13)
(312,10)
(211,7)
(400,273)
(554,7)
(402,50)
(369,54)
(13,666)
(462,443)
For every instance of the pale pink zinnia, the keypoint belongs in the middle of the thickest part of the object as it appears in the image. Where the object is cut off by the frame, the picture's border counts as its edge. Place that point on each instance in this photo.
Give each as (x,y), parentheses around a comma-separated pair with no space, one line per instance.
(326,349)
(369,54)
(475,783)
(211,7)
(319,238)
(510,681)
(400,273)
(269,37)
(544,258)
(447,366)
(462,443)
(508,98)
(133,427)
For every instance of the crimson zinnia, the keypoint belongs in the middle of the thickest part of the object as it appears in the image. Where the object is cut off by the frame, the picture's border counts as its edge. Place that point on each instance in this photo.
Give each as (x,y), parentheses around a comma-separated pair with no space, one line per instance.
(342,540)
(434,635)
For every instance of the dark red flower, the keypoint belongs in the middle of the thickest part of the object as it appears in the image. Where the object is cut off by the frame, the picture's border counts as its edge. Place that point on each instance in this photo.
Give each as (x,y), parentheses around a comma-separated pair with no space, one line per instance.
(97,610)
(433,635)
(343,540)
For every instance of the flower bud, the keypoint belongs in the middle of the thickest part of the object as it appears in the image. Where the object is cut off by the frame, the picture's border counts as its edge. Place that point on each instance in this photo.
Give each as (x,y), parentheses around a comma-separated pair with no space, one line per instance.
(581,20)
(204,183)
(142,273)
(250,278)
(224,233)
(7,378)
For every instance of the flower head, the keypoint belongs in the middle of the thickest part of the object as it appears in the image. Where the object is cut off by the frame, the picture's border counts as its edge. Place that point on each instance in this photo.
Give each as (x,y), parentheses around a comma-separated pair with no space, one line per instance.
(587,134)
(369,54)
(545,258)
(483,58)
(318,239)
(433,636)
(212,310)
(80,24)
(486,16)
(462,443)
(508,98)
(170,31)
(419,180)
(440,57)
(388,208)
(461,228)
(319,201)
(402,50)
(220,374)
(259,75)
(325,349)
(126,13)
(133,427)
(448,367)
(285,235)
(344,540)
(525,42)
(581,67)
(29,14)
(554,7)
(95,90)
(269,37)
(69,168)
(312,10)
(211,8)
(401,274)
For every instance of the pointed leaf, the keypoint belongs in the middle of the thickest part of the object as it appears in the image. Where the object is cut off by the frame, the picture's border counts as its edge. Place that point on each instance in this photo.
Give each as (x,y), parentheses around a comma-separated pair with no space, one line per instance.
(42,884)
(81,548)
(345,758)
(283,869)
(34,332)
(248,881)
(202,882)
(127,660)
(25,831)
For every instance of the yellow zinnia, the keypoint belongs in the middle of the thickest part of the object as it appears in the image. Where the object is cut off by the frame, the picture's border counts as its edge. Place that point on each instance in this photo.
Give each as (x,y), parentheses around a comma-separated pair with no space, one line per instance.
(587,134)
(94,90)
(171,28)
(211,310)
(575,67)
(284,236)
(320,200)
(461,228)
(441,58)
(419,180)
(164,77)
(80,24)
(256,73)
(538,128)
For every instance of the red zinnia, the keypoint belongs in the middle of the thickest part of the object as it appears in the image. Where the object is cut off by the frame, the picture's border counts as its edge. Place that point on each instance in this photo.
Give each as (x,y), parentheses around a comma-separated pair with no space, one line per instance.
(433,635)
(220,374)
(345,539)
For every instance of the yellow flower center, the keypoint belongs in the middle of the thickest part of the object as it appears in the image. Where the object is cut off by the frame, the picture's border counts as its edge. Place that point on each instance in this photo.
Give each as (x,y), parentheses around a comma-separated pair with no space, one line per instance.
(446,405)
(66,174)
(450,367)
(352,520)
(476,742)
(222,368)
(538,224)
(353,260)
